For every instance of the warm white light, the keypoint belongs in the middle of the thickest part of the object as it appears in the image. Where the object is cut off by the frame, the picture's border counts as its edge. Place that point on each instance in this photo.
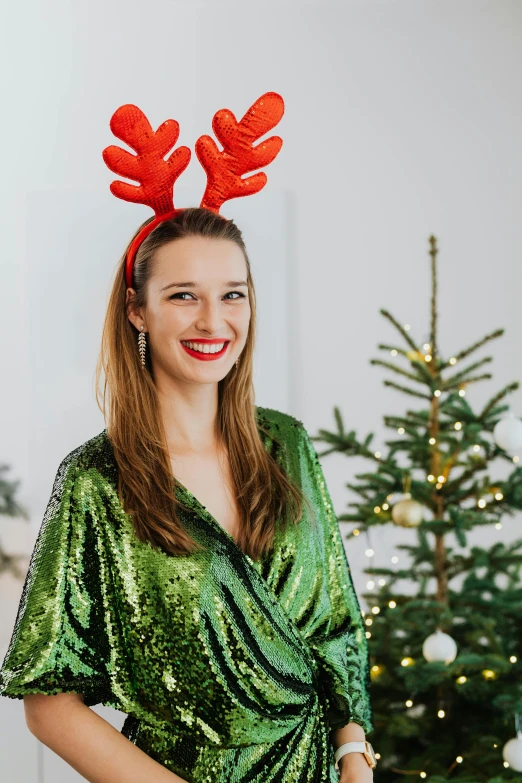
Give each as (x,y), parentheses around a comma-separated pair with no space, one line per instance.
(505,764)
(389,497)
(385,507)
(428,357)
(382,582)
(513,659)
(441,479)
(368,621)
(368,635)
(481,503)
(432,441)
(378,454)
(369,553)
(499,525)
(395,559)
(461,679)
(409,703)
(394,352)
(458,425)
(459,759)
(438,486)
(476,447)
(406,661)
(407,327)
(431,477)
(441,714)
(370,585)
(499,496)
(377,509)
(437,392)
(462,392)
(375,609)
(401,430)
(427,347)
(516,458)
(392,604)
(356,532)
(453,360)
(422,774)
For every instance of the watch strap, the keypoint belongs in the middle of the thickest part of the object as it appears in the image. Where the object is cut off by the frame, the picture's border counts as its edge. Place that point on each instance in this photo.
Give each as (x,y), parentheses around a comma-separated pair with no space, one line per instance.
(348,747)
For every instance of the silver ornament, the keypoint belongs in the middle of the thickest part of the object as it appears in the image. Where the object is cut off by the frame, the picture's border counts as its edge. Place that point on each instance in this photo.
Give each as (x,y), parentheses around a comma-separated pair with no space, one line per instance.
(508,433)
(512,753)
(439,646)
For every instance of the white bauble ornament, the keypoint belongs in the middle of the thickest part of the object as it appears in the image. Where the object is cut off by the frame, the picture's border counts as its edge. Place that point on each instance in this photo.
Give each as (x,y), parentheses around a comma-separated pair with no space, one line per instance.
(508,433)
(407,512)
(417,711)
(439,646)
(512,753)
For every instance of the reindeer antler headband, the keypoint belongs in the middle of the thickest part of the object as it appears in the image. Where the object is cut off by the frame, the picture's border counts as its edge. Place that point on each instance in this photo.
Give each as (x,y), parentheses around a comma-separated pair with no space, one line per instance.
(224,169)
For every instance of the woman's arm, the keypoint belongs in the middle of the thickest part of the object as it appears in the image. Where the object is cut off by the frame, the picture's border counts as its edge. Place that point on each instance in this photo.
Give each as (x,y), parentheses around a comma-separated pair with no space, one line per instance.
(86,741)
(341,649)
(352,766)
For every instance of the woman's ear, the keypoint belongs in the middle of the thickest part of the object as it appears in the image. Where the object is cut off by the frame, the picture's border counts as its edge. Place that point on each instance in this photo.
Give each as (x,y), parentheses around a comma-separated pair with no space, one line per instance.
(133,314)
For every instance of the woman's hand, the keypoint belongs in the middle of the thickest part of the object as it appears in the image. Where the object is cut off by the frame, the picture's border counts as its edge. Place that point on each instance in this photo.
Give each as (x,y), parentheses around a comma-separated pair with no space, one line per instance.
(355,769)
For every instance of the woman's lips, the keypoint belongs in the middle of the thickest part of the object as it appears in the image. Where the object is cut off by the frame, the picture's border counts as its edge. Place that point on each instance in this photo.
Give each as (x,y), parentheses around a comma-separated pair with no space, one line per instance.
(205,357)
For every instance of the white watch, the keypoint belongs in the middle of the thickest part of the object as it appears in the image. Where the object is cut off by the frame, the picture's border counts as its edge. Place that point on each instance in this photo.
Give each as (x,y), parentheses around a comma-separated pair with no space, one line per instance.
(356,747)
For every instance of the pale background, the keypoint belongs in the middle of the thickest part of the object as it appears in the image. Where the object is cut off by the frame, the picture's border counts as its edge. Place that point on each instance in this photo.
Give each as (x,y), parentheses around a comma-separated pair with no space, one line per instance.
(402,119)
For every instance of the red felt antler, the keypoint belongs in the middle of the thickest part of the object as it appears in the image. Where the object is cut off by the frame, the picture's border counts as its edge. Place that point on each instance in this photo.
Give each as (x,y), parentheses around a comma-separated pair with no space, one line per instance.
(239,156)
(156,175)
(224,169)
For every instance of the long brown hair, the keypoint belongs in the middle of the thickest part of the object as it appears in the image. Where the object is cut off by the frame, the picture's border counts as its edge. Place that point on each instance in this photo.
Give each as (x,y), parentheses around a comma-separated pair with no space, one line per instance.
(135,427)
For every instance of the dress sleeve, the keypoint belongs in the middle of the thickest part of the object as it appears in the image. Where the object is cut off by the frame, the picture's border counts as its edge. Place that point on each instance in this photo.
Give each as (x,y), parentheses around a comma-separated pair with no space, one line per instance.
(341,650)
(58,642)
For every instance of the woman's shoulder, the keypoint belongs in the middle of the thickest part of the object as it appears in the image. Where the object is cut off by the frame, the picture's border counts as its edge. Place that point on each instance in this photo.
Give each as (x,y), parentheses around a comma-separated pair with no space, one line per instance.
(96,452)
(278,421)
(285,429)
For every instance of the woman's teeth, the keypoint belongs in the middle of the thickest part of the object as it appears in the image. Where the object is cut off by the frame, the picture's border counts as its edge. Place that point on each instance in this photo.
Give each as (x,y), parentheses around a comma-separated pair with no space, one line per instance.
(204,348)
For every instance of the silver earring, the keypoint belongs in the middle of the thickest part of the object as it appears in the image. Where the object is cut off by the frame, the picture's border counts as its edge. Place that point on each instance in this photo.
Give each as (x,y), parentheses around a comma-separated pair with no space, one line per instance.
(142,344)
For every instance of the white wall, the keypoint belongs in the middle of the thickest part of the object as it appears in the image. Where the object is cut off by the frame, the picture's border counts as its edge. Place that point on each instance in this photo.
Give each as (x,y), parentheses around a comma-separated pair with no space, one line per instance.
(402,119)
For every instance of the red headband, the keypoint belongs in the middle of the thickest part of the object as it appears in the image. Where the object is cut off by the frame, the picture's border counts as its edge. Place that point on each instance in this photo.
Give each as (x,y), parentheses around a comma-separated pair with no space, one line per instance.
(224,169)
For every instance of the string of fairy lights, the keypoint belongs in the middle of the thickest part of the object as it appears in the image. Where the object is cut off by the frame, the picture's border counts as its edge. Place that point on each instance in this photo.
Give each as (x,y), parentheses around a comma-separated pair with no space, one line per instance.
(512,751)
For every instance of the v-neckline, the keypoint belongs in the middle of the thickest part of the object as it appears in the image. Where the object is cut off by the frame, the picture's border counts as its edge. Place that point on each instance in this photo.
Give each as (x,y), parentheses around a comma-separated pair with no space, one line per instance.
(204,510)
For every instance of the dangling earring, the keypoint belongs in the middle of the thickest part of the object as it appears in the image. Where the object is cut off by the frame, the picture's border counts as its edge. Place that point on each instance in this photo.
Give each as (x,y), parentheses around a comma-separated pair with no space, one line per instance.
(142,344)
(237,363)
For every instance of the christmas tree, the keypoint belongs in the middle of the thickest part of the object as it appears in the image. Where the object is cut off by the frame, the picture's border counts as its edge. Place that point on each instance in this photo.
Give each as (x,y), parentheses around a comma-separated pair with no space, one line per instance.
(446,661)
(10,507)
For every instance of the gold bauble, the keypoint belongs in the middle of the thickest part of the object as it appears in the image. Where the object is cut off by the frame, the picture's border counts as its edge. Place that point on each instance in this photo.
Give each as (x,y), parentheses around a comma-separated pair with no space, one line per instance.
(407,512)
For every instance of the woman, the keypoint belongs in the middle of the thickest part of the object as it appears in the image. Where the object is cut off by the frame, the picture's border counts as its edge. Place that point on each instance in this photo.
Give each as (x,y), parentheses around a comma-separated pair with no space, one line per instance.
(189,570)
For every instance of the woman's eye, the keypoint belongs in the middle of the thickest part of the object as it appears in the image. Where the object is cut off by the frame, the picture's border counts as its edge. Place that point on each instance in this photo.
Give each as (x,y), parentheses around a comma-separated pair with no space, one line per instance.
(186,293)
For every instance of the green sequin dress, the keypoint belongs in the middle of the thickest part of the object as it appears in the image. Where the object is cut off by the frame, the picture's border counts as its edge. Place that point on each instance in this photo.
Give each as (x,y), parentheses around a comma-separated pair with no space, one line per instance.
(229,670)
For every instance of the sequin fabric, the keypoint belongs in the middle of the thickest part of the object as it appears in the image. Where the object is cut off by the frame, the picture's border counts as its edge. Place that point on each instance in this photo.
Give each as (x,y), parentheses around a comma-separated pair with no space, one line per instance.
(229,670)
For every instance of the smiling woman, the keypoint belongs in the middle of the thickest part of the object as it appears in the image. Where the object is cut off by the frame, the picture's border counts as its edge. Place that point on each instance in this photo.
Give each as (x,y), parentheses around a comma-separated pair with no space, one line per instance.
(187,411)
(189,570)
(190,317)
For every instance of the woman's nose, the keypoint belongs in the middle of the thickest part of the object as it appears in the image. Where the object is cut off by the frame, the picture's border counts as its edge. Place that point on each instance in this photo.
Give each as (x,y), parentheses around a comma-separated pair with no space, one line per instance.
(210,317)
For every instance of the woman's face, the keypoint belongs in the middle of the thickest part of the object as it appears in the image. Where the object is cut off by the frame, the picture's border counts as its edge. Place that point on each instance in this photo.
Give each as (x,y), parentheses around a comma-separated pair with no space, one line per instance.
(197,293)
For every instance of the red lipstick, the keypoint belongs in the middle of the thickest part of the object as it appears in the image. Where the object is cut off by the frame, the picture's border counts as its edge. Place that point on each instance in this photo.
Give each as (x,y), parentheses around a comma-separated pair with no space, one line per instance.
(206,357)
